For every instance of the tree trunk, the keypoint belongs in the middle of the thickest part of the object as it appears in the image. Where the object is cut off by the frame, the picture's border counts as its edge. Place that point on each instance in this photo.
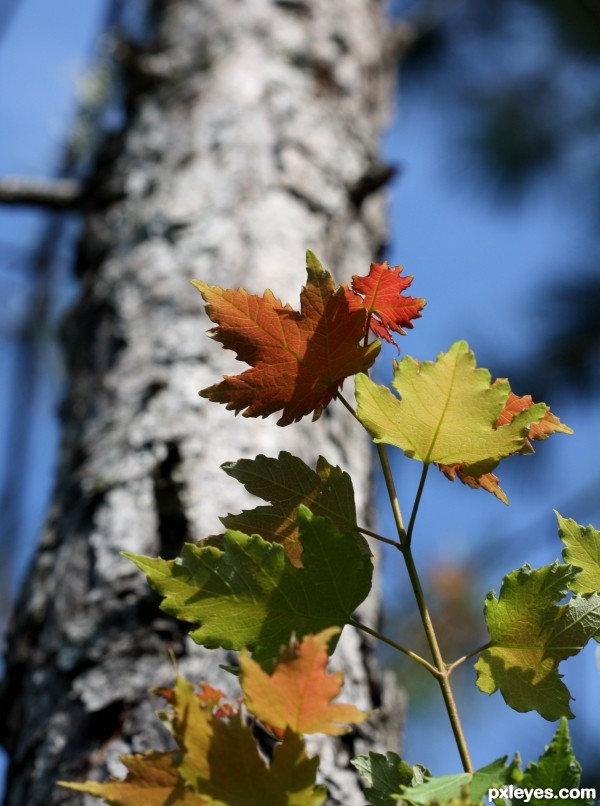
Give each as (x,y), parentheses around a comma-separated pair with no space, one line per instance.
(252,135)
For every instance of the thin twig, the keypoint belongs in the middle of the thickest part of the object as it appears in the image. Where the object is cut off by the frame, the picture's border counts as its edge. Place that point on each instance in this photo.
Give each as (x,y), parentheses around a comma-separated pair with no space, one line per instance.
(345,403)
(379,537)
(54,194)
(412,655)
(452,666)
(393,496)
(415,508)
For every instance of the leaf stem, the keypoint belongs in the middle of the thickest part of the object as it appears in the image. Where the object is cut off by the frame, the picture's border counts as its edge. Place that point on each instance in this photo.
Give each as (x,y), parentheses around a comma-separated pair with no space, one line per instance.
(393,496)
(415,508)
(367,326)
(379,537)
(452,666)
(343,400)
(413,655)
(442,673)
(443,676)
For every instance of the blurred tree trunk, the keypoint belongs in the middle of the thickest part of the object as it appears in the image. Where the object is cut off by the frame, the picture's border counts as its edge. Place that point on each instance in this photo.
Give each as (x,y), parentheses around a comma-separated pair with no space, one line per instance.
(252,135)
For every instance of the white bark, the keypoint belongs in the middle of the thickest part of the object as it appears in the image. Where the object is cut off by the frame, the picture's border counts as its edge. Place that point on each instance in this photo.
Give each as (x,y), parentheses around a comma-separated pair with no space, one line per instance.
(251,125)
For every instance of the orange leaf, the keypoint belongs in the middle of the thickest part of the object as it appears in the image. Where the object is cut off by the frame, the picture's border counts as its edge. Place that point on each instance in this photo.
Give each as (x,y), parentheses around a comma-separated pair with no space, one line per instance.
(152,780)
(299,692)
(206,693)
(298,359)
(380,294)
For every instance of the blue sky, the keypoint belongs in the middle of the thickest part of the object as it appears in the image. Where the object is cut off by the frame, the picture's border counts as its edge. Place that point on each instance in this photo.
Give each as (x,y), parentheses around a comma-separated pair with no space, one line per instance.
(480,268)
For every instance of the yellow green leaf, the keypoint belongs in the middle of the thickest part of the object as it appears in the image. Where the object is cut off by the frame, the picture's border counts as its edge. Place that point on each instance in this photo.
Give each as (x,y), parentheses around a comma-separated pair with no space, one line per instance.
(447,412)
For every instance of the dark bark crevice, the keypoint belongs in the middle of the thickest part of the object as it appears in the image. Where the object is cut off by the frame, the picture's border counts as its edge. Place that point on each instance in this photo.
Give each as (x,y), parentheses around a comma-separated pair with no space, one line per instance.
(173,525)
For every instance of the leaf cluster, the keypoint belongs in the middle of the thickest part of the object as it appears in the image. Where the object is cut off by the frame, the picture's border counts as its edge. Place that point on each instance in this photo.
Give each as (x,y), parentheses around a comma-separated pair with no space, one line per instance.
(218,761)
(283,579)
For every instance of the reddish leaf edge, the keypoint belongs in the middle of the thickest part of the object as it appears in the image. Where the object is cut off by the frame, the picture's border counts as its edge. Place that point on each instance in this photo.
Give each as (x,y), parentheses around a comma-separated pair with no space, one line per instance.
(549,424)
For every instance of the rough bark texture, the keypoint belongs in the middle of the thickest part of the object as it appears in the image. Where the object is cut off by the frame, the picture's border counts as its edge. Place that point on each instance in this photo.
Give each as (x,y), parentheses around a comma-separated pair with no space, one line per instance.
(252,125)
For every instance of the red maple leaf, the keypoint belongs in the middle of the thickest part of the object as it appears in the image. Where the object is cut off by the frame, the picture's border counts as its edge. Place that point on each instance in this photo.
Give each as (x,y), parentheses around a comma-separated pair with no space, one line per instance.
(298,359)
(380,295)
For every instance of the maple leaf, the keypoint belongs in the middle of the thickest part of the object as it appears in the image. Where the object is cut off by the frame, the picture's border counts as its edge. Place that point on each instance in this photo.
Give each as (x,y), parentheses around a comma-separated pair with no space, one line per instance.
(298,693)
(531,634)
(466,788)
(582,551)
(152,780)
(221,758)
(298,359)
(380,295)
(250,595)
(287,482)
(447,413)
(218,763)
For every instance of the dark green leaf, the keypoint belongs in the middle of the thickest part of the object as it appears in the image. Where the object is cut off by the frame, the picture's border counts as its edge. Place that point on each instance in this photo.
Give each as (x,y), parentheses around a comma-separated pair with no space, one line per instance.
(250,595)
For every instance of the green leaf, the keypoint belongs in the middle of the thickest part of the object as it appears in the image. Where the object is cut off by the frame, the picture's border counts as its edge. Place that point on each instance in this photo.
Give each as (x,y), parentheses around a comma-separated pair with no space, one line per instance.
(466,787)
(557,768)
(531,634)
(250,595)
(582,550)
(447,412)
(287,483)
(385,776)
(392,780)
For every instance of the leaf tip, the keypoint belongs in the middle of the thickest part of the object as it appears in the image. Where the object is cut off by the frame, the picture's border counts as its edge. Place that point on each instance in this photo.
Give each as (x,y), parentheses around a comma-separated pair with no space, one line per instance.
(313,262)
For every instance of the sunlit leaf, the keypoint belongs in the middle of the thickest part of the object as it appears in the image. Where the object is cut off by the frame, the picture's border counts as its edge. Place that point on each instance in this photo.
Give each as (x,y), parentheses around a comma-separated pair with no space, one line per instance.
(531,634)
(582,550)
(447,412)
(298,359)
(222,760)
(380,295)
(299,692)
(466,788)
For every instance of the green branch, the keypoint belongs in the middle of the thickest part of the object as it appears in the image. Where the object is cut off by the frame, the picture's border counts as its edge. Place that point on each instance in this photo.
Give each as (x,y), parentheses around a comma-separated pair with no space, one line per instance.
(412,655)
